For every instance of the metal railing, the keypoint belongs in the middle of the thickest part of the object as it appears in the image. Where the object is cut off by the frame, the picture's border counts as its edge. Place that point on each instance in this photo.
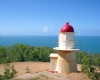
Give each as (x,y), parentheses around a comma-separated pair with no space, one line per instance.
(76,44)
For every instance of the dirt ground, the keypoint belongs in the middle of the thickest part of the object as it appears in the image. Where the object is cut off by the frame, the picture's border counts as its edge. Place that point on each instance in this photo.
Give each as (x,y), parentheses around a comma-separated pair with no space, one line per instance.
(40,70)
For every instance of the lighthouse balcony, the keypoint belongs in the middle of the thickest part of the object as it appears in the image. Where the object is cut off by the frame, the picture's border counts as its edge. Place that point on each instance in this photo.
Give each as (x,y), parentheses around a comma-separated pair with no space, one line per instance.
(67,45)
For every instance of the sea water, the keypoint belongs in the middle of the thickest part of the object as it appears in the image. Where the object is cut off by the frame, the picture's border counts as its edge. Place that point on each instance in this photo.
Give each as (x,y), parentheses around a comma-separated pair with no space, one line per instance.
(89,44)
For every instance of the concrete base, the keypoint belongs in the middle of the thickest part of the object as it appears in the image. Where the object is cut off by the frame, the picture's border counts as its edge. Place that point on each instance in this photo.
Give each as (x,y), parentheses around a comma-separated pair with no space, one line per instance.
(66,62)
(53,61)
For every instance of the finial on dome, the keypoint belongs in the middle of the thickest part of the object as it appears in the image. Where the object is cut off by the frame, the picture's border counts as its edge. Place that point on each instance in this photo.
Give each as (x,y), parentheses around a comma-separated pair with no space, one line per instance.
(67,23)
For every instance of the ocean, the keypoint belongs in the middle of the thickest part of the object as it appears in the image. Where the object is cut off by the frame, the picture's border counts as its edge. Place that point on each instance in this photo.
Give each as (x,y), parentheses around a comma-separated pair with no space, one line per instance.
(89,44)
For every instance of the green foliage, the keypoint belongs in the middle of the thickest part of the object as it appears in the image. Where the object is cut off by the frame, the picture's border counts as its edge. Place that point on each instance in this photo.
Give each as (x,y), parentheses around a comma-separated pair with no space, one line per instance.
(96,58)
(9,72)
(22,53)
(1,77)
(90,64)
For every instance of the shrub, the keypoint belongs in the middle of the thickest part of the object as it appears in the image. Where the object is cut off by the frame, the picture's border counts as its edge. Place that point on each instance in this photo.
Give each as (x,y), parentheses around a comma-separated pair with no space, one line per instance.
(22,53)
(28,70)
(9,72)
(90,64)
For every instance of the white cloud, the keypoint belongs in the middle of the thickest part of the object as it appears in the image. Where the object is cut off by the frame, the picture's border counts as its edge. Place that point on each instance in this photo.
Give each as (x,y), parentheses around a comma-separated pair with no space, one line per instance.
(45,29)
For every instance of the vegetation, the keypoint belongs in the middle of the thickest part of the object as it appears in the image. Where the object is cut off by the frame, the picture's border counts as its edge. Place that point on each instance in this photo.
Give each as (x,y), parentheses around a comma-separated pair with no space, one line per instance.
(28,70)
(42,77)
(21,53)
(90,64)
(9,72)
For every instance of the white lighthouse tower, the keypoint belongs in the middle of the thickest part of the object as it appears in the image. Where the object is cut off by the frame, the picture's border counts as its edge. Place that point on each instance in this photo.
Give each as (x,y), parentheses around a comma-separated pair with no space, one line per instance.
(66,59)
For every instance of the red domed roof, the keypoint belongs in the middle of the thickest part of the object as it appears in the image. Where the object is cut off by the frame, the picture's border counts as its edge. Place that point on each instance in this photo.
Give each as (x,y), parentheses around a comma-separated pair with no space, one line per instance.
(67,28)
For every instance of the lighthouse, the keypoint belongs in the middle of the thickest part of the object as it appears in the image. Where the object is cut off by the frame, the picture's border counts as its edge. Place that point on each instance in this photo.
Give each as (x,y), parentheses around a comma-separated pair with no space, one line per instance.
(66,56)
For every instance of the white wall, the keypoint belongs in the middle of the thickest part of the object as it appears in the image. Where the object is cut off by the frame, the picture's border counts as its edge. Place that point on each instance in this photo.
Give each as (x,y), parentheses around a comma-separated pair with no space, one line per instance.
(66,40)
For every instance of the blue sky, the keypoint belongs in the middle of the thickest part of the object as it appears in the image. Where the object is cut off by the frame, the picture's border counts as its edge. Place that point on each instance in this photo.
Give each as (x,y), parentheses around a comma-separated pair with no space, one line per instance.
(46,17)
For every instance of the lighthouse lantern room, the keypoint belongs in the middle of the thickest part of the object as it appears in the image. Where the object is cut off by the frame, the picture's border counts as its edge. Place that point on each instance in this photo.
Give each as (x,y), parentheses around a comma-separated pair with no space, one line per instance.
(66,37)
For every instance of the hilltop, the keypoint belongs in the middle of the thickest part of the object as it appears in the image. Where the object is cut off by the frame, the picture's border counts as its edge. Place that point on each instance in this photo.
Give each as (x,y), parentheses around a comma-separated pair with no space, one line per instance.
(40,71)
